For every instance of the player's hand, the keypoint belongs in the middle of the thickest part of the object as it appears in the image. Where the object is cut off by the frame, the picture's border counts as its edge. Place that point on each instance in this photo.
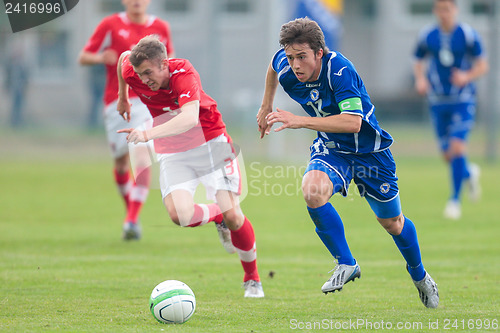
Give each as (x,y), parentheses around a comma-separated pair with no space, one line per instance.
(134,136)
(264,128)
(123,107)
(109,57)
(288,119)
(459,78)
(422,86)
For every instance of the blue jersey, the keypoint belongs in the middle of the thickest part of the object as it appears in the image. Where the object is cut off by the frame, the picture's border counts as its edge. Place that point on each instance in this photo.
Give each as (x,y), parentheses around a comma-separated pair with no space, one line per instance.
(448,51)
(338,85)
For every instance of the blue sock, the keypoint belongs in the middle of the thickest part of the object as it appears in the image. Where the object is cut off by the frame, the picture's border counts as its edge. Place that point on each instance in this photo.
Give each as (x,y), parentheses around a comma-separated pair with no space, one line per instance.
(330,230)
(407,244)
(458,173)
(466,169)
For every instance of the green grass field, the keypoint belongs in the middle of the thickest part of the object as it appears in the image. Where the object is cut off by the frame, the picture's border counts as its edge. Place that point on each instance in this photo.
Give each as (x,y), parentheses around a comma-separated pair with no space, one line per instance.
(63,266)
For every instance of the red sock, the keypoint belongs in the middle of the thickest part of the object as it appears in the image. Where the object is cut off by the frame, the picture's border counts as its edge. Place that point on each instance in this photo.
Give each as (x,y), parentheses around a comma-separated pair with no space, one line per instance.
(204,214)
(123,183)
(138,194)
(244,241)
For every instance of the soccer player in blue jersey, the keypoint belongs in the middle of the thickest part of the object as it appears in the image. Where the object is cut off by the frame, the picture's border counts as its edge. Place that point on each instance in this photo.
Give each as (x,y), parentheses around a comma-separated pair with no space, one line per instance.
(350,146)
(456,60)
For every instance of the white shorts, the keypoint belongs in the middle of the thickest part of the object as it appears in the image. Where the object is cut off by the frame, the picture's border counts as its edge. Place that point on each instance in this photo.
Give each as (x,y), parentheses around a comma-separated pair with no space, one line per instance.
(139,118)
(213,164)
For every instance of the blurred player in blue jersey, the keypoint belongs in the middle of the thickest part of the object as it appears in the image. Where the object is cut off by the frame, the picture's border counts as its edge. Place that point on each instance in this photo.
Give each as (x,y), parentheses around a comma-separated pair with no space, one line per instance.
(456,60)
(350,146)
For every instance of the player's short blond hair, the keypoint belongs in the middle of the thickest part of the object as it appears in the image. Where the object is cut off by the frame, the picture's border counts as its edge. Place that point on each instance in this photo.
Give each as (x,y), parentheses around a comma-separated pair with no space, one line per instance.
(149,48)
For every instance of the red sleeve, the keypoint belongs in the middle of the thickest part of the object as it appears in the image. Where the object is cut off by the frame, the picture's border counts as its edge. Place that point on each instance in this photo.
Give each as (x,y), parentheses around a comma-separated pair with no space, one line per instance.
(127,69)
(187,88)
(94,44)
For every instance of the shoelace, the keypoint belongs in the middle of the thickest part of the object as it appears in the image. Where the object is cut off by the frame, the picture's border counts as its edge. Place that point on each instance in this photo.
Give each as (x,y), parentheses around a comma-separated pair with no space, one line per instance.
(334,268)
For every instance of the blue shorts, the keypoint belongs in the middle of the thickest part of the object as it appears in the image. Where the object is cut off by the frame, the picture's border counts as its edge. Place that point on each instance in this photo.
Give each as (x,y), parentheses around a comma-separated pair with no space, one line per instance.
(374,175)
(452,121)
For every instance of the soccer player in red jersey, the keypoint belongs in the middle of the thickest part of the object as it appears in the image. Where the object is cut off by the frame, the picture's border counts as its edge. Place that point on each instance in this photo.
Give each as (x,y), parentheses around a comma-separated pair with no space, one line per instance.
(192,147)
(114,35)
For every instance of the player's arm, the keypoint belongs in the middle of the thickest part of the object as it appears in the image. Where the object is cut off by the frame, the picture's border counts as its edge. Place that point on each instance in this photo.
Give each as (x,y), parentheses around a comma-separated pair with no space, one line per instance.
(478,69)
(106,57)
(421,82)
(267,101)
(341,123)
(123,103)
(184,121)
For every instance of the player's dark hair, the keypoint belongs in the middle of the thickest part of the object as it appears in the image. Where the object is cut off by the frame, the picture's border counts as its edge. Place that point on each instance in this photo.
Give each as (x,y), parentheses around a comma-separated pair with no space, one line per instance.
(452,1)
(303,30)
(149,48)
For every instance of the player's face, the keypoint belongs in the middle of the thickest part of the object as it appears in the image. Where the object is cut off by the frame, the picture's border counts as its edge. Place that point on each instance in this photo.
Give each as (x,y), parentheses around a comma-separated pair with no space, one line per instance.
(306,65)
(135,6)
(153,75)
(446,12)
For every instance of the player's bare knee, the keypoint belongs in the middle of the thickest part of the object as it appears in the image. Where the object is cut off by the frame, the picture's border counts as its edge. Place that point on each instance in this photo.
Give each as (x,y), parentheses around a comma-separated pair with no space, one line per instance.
(316,194)
(172,213)
(457,148)
(393,225)
(179,214)
(233,218)
(122,164)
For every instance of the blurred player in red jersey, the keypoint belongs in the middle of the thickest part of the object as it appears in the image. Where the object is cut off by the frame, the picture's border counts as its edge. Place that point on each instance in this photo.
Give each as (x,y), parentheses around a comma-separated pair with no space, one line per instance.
(114,35)
(193,147)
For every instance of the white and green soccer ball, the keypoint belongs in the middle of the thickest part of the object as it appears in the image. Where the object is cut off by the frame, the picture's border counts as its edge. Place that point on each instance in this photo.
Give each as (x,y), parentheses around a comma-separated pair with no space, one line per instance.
(172,302)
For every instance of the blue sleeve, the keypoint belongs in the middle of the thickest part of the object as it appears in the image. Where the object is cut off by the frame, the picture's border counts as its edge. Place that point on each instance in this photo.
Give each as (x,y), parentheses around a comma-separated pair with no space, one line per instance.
(347,85)
(279,60)
(421,48)
(477,49)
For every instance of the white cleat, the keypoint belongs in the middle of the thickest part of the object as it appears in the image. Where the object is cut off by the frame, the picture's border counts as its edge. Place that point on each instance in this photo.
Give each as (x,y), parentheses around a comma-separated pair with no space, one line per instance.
(341,275)
(428,291)
(225,237)
(253,289)
(473,182)
(453,210)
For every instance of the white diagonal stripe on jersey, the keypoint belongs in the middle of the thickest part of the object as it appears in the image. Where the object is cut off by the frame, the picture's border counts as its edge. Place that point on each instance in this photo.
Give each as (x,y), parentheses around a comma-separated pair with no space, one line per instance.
(248,256)
(376,146)
(356,141)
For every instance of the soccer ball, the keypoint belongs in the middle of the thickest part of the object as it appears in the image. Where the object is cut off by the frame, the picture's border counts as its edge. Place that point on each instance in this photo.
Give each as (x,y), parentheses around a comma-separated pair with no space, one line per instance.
(172,302)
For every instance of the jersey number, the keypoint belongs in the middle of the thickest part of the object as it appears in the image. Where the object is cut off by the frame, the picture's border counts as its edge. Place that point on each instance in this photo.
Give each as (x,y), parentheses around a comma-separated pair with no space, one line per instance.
(319,113)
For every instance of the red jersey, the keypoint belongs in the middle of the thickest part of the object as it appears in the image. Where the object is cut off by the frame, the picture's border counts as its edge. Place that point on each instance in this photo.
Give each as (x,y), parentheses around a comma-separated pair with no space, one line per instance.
(118,33)
(164,104)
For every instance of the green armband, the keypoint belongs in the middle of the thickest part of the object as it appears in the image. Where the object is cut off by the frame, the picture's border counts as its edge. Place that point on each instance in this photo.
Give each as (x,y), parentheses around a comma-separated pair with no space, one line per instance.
(351,104)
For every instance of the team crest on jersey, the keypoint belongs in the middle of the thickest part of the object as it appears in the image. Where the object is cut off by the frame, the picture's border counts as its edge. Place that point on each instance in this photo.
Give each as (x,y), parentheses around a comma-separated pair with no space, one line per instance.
(385,187)
(314,94)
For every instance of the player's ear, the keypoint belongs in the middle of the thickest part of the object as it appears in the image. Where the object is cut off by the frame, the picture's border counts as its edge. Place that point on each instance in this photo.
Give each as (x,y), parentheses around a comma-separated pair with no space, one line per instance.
(164,63)
(320,53)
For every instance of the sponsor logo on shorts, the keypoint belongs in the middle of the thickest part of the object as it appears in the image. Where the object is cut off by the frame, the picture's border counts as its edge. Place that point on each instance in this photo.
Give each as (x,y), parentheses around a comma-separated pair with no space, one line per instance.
(385,187)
